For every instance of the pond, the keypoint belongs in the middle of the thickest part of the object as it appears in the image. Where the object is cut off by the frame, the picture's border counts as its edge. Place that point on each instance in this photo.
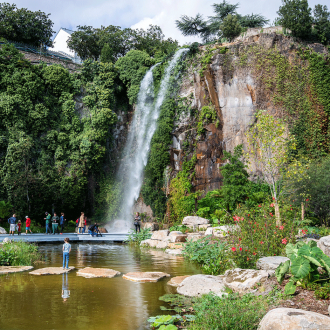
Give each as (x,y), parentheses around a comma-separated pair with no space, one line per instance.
(35,302)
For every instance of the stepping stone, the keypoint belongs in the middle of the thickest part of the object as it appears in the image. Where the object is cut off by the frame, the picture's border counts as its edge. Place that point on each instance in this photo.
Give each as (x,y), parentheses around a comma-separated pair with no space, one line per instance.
(90,272)
(51,271)
(176,281)
(145,276)
(14,269)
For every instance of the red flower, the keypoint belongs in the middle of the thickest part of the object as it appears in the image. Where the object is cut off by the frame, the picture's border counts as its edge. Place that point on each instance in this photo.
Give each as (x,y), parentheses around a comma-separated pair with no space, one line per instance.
(307,200)
(272,205)
(254,253)
(247,258)
(271,214)
(240,249)
(239,239)
(291,209)
(233,249)
(284,241)
(259,205)
(261,242)
(281,227)
(273,198)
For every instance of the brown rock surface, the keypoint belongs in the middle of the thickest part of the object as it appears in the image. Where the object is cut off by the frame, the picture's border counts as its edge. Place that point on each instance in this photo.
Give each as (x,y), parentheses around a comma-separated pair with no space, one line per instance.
(14,269)
(90,272)
(176,245)
(176,281)
(160,234)
(145,276)
(51,271)
(293,319)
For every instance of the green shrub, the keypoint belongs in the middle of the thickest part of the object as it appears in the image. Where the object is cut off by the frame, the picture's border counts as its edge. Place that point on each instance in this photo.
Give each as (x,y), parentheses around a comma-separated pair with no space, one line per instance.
(211,255)
(228,313)
(138,237)
(19,254)
(305,261)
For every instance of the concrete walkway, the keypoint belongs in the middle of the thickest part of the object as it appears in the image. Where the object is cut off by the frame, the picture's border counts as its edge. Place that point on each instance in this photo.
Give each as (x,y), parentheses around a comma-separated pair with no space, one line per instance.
(43,238)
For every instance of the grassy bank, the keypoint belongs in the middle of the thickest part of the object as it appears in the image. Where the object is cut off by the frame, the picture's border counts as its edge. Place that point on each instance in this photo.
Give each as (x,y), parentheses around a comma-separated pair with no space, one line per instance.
(18,254)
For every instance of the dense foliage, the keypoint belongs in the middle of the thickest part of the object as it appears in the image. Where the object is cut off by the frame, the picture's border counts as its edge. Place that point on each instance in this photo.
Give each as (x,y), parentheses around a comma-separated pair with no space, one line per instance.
(26,26)
(89,42)
(18,254)
(47,149)
(225,23)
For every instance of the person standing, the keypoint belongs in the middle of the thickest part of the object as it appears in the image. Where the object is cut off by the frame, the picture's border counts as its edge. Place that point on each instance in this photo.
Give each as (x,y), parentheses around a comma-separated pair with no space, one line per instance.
(27,224)
(19,226)
(55,220)
(12,224)
(81,223)
(66,251)
(137,222)
(62,220)
(48,217)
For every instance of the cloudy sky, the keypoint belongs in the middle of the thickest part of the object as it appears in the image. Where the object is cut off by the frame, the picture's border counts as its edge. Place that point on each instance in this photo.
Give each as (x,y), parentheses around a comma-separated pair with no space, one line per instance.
(140,13)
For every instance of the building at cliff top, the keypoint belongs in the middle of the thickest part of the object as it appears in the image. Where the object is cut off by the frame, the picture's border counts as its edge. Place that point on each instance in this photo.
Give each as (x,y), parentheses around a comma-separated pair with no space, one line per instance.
(60,45)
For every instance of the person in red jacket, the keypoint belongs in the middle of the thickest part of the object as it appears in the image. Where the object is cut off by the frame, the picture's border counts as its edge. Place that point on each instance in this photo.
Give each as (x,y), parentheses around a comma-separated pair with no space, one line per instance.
(27,224)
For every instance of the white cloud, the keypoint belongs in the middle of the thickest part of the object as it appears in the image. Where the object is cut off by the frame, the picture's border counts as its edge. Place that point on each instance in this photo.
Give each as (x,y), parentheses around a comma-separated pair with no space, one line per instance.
(141,13)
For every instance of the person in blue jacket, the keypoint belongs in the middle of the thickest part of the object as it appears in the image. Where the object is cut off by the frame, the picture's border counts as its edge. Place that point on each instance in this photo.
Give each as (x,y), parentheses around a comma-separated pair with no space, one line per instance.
(12,224)
(62,221)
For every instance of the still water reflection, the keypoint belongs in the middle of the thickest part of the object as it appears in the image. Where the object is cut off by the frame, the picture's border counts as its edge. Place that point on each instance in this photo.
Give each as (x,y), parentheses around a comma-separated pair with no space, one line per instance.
(74,302)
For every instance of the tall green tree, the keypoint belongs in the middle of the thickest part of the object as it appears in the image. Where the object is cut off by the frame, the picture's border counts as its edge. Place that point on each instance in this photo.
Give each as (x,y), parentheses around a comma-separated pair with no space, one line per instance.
(209,29)
(296,16)
(230,27)
(321,22)
(26,26)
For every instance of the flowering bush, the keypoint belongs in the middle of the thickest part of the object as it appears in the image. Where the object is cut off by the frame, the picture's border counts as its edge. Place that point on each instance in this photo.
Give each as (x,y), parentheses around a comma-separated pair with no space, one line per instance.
(257,234)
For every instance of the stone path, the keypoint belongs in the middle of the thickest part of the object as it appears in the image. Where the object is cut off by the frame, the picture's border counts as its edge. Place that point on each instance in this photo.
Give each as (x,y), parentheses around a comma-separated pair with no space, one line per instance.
(51,271)
(90,272)
(14,269)
(145,276)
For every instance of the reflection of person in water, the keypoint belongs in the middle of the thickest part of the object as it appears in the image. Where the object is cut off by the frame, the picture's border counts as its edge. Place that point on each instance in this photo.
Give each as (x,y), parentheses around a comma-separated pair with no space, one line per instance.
(65,287)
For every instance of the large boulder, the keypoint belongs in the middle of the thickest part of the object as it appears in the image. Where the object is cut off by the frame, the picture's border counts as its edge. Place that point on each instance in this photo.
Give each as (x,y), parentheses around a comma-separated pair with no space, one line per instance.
(194,221)
(194,237)
(145,276)
(243,280)
(293,319)
(324,245)
(154,243)
(176,245)
(270,263)
(177,280)
(197,285)
(3,230)
(160,234)
(150,225)
(220,231)
(177,236)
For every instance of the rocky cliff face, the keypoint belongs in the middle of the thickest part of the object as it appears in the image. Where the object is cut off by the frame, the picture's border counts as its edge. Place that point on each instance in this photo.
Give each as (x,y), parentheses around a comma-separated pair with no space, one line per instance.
(235,91)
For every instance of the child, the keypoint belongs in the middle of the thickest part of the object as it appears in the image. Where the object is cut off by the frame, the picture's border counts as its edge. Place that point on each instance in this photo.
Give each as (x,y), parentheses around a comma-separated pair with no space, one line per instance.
(66,250)
(19,224)
(28,224)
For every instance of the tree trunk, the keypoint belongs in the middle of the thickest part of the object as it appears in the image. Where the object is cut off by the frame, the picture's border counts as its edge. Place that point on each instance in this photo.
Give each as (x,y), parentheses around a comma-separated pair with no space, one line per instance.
(277,215)
(302,211)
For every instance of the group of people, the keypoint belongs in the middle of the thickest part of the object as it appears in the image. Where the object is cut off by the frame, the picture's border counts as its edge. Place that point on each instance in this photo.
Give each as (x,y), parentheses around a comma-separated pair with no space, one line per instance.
(15,225)
(55,221)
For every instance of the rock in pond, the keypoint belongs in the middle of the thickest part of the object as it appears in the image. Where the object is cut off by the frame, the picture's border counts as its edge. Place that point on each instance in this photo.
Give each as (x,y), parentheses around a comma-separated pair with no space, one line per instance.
(270,263)
(293,319)
(177,280)
(243,280)
(3,230)
(155,243)
(195,221)
(90,272)
(197,285)
(14,269)
(174,252)
(324,245)
(51,271)
(145,276)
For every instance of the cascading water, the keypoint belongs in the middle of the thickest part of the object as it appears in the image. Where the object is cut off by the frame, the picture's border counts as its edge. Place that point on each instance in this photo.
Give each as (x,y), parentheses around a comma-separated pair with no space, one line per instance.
(137,146)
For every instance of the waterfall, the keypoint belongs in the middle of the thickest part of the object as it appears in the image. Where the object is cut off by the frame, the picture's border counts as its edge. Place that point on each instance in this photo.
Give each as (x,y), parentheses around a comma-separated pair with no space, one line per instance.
(136,150)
